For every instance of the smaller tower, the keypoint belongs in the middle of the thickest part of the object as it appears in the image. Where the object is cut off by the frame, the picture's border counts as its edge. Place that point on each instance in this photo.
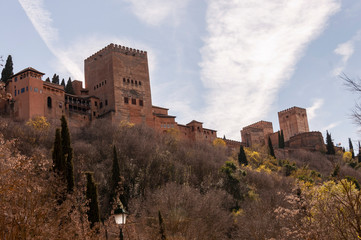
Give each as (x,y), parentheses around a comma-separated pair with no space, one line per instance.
(293,121)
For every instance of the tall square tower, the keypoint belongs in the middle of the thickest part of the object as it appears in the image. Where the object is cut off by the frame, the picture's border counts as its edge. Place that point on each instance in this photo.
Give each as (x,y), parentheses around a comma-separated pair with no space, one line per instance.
(293,121)
(119,77)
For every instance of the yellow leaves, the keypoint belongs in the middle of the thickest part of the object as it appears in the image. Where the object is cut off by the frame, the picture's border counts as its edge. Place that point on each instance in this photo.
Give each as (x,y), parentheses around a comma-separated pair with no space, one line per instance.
(219,142)
(263,168)
(39,123)
(347,156)
(126,124)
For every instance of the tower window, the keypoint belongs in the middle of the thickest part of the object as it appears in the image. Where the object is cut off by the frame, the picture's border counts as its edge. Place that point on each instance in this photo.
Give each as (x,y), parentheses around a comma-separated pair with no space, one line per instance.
(105,81)
(96,104)
(140,83)
(128,80)
(49,102)
(102,83)
(22,90)
(126,100)
(132,81)
(134,101)
(141,103)
(123,79)
(101,105)
(94,87)
(136,82)
(106,102)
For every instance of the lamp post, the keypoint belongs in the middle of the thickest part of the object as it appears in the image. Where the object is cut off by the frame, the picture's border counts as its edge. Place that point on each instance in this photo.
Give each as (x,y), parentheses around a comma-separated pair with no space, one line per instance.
(120,216)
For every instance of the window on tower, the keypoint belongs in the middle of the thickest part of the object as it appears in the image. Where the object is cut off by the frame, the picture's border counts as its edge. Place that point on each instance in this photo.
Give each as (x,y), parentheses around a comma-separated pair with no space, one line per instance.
(126,100)
(134,101)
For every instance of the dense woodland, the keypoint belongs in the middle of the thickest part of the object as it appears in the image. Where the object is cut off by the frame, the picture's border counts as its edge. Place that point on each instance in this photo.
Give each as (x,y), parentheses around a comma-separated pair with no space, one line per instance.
(173,189)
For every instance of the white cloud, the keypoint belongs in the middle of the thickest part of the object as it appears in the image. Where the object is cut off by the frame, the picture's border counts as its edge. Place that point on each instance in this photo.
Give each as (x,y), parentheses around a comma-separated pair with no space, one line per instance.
(70,60)
(155,12)
(345,50)
(330,126)
(251,49)
(311,111)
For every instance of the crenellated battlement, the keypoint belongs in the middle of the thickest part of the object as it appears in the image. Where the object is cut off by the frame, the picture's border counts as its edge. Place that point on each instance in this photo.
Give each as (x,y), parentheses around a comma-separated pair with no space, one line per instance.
(117,48)
(291,109)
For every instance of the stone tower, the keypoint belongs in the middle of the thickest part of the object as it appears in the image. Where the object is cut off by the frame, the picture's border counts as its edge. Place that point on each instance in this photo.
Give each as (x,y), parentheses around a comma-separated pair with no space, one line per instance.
(293,121)
(119,77)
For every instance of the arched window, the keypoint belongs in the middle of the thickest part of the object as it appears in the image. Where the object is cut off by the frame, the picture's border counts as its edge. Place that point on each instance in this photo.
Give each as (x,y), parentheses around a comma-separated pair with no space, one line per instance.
(49,102)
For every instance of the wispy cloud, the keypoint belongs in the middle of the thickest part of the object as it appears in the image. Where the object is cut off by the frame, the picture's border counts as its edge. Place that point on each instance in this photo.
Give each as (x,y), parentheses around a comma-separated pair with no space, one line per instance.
(345,50)
(330,126)
(42,22)
(70,58)
(311,111)
(251,50)
(155,12)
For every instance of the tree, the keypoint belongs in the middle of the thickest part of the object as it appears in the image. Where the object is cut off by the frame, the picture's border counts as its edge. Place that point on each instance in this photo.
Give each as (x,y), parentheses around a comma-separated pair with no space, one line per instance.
(55,79)
(359,152)
(161,226)
(67,153)
(92,197)
(330,148)
(58,156)
(115,180)
(270,148)
(351,147)
(69,87)
(47,79)
(242,158)
(281,139)
(7,71)
(62,82)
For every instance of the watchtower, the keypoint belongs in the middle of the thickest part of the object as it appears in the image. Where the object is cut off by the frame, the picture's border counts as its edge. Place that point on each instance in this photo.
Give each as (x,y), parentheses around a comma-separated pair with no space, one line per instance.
(119,77)
(293,121)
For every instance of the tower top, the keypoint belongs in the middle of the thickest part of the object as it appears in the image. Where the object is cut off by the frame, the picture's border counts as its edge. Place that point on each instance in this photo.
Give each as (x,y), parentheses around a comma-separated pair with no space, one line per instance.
(291,109)
(117,48)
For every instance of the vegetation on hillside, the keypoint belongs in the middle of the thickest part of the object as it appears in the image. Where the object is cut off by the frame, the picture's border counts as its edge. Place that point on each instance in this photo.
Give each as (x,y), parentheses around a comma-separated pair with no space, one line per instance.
(173,189)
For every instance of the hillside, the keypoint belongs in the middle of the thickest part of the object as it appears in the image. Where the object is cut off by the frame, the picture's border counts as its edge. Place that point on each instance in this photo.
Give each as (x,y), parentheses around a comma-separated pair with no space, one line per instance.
(200,190)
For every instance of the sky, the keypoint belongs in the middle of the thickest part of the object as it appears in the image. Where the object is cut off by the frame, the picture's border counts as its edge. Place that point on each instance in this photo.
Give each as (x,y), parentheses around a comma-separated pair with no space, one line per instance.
(226,63)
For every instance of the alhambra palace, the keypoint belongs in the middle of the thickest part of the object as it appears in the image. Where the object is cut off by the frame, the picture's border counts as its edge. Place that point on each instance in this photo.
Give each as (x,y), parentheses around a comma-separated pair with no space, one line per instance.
(117,88)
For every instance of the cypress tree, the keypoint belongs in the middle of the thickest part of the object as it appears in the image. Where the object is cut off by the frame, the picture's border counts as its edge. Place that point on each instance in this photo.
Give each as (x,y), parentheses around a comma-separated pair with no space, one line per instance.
(7,71)
(68,154)
(114,183)
(351,147)
(69,87)
(65,136)
(329,144)
(242,158)
(70,172)
(55,79)
(92,197)
(62,82)
(58,156)
(282,140)
(270,148)
(47,79)
(161,227)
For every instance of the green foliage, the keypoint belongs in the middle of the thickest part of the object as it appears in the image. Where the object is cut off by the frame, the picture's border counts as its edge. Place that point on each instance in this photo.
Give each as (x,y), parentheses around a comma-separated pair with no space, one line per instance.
(58,156)
(231,180)
(92,197)
(70,172)
(47,79)
(329,144)
(69,87)
(281,139)
(242,158)
(7,71)
(270,148)
(161,226)
(65,136)
(289,168)
(354,181)
(62,82)
(55,79)
(351,147)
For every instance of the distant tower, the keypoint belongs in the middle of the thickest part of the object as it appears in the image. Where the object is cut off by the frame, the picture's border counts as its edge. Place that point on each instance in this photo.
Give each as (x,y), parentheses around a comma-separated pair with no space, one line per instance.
(119,77)
(293,121)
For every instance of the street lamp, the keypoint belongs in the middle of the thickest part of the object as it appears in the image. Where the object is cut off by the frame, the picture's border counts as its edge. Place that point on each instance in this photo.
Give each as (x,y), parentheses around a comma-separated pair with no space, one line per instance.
(120,216)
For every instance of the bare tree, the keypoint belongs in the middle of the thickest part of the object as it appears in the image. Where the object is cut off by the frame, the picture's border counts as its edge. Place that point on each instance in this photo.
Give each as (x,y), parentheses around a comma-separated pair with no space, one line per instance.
(355,86)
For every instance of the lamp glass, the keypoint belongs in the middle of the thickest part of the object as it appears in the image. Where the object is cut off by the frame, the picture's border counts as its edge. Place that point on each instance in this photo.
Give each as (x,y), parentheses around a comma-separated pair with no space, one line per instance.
(120,218)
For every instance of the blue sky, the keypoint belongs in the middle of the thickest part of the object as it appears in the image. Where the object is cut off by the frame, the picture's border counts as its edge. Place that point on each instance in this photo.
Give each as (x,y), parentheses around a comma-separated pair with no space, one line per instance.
(225,63)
